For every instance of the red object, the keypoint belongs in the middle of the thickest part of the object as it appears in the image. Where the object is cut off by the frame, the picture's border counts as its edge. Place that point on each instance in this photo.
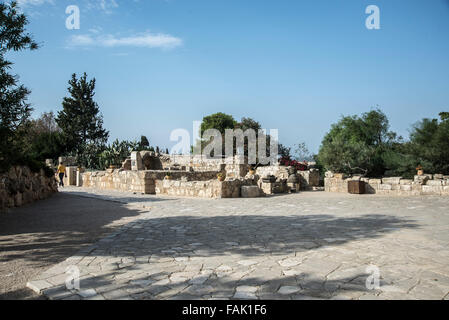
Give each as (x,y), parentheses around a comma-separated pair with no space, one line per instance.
(293,163)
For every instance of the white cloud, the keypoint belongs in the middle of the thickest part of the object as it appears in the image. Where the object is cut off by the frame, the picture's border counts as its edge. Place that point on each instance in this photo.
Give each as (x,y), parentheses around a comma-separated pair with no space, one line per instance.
(82,40)
(147,40)
(24,3)
(104,5)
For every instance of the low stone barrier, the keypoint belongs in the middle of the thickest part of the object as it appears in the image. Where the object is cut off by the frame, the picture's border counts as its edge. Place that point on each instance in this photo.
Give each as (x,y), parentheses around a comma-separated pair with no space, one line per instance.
(181,183)
(307,179)
(202,189)
(436,184)
(20,186)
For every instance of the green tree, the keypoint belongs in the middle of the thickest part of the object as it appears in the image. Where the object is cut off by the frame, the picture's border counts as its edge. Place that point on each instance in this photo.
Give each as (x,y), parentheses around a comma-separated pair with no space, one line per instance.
(358,144)
(219,121)
(429,144)
(14,109)
(248,123)
(43,138)
(144,143)
(116,153)
(82,123)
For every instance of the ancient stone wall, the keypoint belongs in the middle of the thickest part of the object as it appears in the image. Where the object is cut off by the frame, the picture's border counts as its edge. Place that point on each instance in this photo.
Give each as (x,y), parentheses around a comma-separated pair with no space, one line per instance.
(276,170)
(308,179)
(180,183)
(20,186)
(204,189)
(135,181)
(196,163)
(421,185)
(150,182)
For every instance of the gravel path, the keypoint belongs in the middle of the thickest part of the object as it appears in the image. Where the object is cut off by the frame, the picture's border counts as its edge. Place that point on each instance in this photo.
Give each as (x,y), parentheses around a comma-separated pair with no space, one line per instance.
(35,237)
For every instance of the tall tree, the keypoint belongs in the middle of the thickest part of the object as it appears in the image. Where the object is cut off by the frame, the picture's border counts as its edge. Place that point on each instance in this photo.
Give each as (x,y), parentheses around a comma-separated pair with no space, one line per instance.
(14,109)
(358,144)
(81,121)
(219,121)
(429,142)
(43,138)
(144,143)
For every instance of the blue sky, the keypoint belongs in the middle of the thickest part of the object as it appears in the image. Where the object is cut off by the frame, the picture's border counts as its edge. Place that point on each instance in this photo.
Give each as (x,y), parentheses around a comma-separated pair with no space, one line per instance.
(292,65)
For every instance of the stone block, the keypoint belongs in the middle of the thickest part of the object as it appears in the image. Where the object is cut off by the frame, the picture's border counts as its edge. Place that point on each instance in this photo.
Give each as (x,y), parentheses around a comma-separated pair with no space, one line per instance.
(385,186)
(438,176)
(421,179)
(432,190)
(71,175)
(250,191)
(406,181)
(267,187)
(434,183)
(392,180)
(406,187)
(79,179)
(396,187)
(445,190)
(126,165)
(136,161)
(68,161)
(339,176)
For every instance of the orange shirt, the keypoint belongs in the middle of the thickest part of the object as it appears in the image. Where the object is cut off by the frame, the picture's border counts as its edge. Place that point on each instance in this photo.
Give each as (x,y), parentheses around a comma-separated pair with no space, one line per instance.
(61,168)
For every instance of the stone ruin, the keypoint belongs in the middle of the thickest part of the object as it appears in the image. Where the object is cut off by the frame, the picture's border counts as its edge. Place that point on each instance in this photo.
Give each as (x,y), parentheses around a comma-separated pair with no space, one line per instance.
(197,176)
(427,184)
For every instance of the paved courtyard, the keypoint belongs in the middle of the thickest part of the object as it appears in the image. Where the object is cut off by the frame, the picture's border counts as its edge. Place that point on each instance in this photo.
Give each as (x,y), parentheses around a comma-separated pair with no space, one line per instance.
(312,245)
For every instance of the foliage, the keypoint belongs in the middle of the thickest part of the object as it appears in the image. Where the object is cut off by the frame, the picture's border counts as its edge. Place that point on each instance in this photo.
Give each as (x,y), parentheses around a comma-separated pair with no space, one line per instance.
(248,123)
(144,144)
(284,152)
(302,153)
(43,138)
(219,121)
(14,109)
(358,144)
(399,163)
(116,153)
(429,144)
(81,122)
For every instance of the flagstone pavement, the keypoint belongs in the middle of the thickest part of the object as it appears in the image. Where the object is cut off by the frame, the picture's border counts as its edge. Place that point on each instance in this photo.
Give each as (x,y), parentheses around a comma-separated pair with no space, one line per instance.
(311,245)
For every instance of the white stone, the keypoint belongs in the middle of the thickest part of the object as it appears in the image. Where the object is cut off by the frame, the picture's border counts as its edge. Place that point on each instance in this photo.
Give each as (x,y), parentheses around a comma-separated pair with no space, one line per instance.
(246,289)
(289,290)
(290,262)
(89,293)
(224,268)
(244,295)
(290,273)
(247,263)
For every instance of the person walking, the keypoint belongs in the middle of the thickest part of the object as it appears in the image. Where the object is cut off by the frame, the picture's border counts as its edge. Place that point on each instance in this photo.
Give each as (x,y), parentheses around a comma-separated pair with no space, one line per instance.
(62,173)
